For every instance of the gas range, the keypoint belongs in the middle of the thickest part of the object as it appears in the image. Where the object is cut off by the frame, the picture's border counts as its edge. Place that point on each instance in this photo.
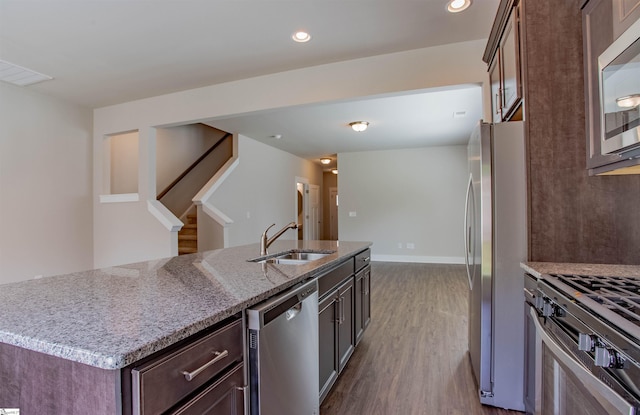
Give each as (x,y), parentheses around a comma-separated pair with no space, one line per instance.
(597,320)
(610,305)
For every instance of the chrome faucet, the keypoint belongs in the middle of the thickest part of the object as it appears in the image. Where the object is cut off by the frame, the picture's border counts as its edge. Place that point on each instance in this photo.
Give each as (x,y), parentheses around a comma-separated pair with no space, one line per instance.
(265,242)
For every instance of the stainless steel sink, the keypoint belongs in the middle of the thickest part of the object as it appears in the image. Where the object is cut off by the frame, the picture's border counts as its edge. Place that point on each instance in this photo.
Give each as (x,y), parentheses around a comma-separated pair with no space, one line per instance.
(293,257)
(302,256)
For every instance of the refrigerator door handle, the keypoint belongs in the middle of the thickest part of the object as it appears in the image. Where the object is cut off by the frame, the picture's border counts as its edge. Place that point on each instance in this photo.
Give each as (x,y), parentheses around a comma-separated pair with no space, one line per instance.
(467,230)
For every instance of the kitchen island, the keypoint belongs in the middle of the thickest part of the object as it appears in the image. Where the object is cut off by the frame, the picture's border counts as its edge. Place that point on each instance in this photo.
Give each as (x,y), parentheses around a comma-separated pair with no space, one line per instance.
(109,318)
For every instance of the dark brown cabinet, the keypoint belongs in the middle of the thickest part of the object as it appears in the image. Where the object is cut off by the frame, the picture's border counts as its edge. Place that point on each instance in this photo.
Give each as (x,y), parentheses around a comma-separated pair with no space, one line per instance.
(505,67)
(572,217)
(345,298)
(204,374)
(336,333)
(603,21)
(344,313)
(363,302)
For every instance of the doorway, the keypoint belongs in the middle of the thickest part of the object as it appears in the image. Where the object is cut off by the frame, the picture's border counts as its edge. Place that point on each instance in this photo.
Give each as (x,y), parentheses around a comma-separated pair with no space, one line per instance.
(333,213)
(307,204)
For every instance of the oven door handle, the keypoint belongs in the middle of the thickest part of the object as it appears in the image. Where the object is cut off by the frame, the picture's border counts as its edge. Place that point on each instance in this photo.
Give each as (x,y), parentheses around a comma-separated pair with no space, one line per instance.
(609,399)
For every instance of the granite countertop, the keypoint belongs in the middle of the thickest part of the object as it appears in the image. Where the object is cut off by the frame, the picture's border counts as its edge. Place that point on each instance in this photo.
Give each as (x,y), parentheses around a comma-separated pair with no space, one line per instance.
(537,269)
(112,317)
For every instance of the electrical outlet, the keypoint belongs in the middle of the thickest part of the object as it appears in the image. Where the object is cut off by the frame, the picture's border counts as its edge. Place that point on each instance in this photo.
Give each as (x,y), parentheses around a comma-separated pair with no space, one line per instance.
(411,245)
(400,245)
(352,214)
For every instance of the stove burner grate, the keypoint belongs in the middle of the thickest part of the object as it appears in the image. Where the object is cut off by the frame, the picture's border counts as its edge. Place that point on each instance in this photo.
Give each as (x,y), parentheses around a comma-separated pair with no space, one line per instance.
(621,295)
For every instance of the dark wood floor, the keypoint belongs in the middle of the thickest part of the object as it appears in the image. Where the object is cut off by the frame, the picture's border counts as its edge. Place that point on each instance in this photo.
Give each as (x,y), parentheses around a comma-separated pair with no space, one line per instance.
(413,358)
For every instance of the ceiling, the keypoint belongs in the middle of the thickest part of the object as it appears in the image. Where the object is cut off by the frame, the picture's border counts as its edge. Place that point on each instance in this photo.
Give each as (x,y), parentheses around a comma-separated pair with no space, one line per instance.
(105,52)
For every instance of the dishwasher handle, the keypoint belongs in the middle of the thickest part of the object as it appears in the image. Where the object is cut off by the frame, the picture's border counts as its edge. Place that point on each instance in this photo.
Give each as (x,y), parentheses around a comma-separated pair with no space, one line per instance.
(289,303)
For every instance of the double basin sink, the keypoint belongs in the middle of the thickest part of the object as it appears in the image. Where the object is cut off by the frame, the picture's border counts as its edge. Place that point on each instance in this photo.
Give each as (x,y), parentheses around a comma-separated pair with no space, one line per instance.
(293,257)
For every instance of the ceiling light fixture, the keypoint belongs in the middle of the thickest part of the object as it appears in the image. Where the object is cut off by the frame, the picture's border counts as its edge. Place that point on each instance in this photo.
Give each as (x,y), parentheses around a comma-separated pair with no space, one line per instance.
(455,6)
(325,160)
(301,36)
(359,126)
(334,171)
(630,101)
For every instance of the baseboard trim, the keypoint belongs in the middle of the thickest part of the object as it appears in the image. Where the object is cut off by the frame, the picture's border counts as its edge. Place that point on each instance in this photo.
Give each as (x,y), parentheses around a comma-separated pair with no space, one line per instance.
(419,259)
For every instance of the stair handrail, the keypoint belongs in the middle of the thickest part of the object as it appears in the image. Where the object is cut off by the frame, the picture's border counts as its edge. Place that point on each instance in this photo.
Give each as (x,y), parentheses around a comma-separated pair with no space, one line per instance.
(192,166)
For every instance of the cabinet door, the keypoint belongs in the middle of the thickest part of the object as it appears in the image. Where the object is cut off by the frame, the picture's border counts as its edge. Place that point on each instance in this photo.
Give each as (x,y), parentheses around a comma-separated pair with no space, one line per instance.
(510,62)
(597,29)
(328,339)
(626,12)
(358,327)
(496,89)
(346,335)
(366,299)
(362,311)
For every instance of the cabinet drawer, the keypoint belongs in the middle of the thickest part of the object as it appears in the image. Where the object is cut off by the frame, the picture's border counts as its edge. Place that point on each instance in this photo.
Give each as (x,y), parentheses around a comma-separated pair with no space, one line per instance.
(363,259)
(334,277)
(223,397)
(161,383)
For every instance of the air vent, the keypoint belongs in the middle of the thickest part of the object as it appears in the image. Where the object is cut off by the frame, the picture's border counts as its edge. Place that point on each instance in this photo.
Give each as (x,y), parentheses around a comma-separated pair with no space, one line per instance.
(20,76)
(253,339)
(459,114)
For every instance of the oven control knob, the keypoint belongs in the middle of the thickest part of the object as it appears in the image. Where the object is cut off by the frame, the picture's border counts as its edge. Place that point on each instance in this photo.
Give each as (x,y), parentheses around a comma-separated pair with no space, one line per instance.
(586,342)
(607,357)
(548,309)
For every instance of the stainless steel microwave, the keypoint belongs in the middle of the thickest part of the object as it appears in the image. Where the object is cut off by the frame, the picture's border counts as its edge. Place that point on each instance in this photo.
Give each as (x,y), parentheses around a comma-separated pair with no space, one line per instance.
(619,68)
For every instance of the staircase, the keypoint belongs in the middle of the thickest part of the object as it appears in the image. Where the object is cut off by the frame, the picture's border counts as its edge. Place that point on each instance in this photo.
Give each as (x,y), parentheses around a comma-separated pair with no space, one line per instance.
(188,236)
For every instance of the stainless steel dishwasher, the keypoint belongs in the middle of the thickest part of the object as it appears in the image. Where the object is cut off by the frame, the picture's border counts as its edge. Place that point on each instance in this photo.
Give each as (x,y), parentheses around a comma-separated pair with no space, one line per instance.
(283,353)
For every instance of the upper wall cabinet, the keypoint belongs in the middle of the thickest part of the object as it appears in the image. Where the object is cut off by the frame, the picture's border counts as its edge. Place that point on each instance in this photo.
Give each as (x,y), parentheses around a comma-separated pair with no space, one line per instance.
(504,59)
(603,21)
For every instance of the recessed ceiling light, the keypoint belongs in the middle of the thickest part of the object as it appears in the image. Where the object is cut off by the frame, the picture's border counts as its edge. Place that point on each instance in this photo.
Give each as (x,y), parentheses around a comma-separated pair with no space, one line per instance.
(456,6)
(301,36)
(276,136)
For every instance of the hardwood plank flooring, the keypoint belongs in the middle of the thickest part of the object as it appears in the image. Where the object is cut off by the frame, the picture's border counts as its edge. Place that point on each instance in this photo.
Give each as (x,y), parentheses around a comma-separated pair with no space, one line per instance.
(413,358)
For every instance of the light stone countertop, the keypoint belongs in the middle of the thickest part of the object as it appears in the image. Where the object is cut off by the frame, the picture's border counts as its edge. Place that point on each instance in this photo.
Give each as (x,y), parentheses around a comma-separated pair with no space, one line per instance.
(112,317)
(537,269)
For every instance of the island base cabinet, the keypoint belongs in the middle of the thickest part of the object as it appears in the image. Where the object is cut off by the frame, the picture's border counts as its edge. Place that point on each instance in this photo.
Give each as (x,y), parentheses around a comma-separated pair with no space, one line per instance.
(363,302)
(336,333)
(38,384)
(328,339)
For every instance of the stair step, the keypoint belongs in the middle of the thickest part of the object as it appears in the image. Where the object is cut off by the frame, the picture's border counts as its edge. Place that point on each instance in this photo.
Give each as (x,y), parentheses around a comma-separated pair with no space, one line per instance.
(188,236)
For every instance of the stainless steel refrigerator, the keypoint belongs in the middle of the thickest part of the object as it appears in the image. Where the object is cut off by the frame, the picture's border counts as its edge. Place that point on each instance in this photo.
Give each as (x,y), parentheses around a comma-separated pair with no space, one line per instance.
(495,244)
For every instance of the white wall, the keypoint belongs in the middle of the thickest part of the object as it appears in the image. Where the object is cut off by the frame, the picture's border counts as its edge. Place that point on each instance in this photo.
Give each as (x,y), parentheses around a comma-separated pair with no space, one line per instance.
(261,190)
(405,196)
(445,65)
(45,185)
(124,163)
(178,147)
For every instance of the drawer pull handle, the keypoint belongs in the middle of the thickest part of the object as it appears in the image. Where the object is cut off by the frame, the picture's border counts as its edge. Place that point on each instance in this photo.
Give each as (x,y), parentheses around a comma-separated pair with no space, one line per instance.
(366,259)
(190,375)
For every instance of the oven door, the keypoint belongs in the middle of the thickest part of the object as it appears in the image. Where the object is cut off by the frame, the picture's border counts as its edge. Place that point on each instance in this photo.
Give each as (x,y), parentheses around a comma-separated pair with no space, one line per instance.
(567,387)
